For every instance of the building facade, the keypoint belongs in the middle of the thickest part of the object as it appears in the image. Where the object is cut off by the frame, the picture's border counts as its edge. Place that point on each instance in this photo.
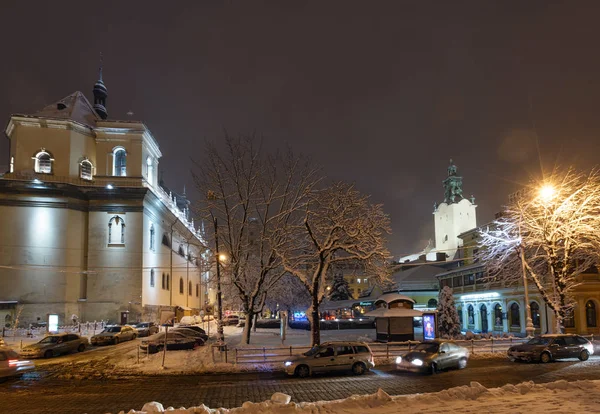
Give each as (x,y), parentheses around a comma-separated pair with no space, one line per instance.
(87,229)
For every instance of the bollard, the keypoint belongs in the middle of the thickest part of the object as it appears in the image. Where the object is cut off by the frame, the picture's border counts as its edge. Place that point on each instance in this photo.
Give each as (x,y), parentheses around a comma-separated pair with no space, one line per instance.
(138,354)
(21,347)
(236,356)
(225,353)
(290,350)
(492,345)
(472,346)
(387,351)
(264,354)
(165,346)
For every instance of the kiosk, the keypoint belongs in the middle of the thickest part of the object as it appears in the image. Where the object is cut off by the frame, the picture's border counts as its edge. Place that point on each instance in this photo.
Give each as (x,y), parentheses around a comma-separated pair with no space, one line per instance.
(394,315)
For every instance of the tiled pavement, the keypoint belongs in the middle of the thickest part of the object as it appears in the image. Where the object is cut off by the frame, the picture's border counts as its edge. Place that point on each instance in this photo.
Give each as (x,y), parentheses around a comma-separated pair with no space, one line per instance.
(47,395)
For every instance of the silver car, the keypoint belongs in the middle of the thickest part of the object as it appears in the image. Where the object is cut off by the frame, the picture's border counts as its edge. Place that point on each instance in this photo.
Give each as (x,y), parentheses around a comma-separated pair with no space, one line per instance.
(332,356)
(433,356)
(53,345)
(114,334)
(10,363)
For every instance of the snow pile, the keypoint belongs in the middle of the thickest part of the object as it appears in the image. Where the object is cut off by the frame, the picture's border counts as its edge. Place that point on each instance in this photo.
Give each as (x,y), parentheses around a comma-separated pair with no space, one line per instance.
(563,396)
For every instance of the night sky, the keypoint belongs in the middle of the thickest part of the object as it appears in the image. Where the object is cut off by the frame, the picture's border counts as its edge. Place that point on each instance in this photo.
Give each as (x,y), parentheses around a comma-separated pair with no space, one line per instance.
(382,94)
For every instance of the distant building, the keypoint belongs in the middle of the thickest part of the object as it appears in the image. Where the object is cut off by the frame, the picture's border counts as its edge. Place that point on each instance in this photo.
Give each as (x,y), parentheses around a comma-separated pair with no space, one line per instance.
(87,228)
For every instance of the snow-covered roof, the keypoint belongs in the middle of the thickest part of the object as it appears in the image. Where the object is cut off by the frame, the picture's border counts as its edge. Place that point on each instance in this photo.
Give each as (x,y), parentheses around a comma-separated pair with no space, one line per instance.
(393,297)
(393,313)
(75,107)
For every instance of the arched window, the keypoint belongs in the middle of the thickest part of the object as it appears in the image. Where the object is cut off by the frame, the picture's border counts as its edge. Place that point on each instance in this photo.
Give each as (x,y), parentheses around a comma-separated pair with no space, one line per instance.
(152,236)
(180,251)
(43,162)
(116,231)
(535,314)
(85,170)
(190,288)
(459,309)
(166,241)
(432,303)
(119,162)
(515,317)
(150,170)
(181,285)
(590,314)
(471,315)
(151,277)
(498,315)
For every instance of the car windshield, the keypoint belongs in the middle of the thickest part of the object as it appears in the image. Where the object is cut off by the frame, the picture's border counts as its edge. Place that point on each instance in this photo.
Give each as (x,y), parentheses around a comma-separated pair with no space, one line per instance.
(141,325)
(113,329)
(49,340)
(312,351)
(425,347)
(539,341)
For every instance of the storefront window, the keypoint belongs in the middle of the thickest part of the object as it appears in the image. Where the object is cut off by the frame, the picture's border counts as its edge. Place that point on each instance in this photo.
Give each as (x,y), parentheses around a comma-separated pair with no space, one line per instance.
(498,315)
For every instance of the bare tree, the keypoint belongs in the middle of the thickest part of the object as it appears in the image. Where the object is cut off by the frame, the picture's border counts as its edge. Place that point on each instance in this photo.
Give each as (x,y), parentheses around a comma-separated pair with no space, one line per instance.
(550,233)
(253,195)
(339,225)
(288,294)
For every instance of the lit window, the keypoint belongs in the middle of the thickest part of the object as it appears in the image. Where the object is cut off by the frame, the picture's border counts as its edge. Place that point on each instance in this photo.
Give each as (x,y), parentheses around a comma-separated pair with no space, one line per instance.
(358,281)
(116,231)
(12,164)
(151,277)
(119,162)
(85,170)
(43,162)
(150,171)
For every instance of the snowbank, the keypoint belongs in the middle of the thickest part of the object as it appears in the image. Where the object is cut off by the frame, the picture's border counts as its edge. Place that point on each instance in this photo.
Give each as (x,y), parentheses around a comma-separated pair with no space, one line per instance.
(579,396)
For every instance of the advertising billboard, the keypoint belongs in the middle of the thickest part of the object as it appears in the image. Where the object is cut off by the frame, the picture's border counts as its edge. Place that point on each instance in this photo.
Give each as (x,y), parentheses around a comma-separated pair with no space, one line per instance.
(428,326)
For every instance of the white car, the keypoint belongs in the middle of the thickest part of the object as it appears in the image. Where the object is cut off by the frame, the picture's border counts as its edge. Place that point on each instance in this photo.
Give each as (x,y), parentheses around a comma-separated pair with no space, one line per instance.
(10,363)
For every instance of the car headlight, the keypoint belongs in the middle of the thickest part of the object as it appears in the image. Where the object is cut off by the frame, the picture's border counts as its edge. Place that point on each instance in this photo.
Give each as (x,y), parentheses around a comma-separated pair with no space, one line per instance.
(417,362)
(398,360)
(288,363)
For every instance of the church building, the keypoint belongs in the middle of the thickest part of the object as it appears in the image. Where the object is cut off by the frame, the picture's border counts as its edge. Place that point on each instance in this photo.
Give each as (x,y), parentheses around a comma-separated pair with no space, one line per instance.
(88,230)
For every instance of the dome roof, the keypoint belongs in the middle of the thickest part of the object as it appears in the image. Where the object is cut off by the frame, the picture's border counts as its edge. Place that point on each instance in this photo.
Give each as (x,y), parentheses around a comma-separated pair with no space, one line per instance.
(393,297)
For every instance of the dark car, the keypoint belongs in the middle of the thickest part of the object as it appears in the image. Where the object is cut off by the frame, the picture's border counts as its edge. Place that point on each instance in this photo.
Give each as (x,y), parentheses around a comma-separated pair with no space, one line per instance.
(196,329)
(197,336)
(175,341)
(433,356)
(546,348)
(146,328)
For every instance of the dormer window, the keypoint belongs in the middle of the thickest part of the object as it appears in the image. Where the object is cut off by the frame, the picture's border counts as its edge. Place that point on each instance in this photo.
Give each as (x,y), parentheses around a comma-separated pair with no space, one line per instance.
(119,162)
(85,170)
(43,162)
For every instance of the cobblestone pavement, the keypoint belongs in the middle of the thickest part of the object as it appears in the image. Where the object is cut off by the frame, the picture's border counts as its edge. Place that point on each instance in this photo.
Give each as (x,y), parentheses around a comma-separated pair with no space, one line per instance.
(49,395)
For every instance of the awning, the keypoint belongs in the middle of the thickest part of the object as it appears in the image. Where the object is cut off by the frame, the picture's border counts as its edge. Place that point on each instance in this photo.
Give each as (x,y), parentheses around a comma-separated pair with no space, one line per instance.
(185,308)
(394,313)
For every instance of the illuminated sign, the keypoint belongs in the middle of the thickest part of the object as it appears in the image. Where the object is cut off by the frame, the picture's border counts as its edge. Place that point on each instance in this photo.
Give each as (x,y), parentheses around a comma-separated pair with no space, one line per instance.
(365,303)
(428,327)
(52,323)
(480,296)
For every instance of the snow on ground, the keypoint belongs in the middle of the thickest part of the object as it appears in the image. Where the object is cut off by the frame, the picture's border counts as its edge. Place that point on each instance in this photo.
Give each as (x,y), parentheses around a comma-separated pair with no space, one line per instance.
(527,397)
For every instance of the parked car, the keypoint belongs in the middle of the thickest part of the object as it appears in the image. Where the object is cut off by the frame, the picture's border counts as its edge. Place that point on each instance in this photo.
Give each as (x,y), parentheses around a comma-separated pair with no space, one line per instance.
(175,341)
(546,348)
(231,320)
(146,328)
(114,334)
(433,356)
(332,356)
(186,330)
(53,345)
(11,364)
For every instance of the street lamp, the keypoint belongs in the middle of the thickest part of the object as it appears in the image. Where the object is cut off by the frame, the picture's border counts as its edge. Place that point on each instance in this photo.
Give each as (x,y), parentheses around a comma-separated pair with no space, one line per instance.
(220,335)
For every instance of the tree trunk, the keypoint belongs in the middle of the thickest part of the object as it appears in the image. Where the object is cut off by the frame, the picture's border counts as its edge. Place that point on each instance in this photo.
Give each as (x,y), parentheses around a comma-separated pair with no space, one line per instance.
(315,322)
(255,322)
(248,326)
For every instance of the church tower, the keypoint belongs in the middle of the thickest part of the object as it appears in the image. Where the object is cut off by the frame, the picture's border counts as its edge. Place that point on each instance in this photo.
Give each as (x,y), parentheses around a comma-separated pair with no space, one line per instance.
(454,215)
(100,95)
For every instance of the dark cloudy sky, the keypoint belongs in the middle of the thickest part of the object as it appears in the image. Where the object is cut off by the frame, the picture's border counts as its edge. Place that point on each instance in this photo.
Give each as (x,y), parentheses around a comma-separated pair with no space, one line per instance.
(380,93)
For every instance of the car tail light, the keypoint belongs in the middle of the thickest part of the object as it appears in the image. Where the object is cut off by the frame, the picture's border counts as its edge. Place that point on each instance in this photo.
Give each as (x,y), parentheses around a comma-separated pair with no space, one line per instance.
(16,363)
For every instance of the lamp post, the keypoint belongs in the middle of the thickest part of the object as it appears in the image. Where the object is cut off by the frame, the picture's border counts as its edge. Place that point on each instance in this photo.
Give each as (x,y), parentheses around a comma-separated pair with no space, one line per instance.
(220,335)
(529,328)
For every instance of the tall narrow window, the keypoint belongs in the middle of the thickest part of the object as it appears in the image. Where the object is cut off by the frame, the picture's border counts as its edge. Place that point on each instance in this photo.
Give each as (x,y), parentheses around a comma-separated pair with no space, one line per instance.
(164,280)
(12,164)
(85,170)
(590,314)
(181,285)
(43,162)
(168,286)
(119,162)
(150,170)
(116,231)
(197,289)
(535,314)
(190,288)
(515,315)
(151,277)
(152,236)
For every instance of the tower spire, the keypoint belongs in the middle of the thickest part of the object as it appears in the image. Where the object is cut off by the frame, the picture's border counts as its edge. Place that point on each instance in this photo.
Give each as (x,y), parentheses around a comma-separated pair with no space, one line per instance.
(100,93)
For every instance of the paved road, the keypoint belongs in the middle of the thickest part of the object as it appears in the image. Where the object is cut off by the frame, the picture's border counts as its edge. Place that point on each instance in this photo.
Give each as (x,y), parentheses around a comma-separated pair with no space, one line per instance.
(39,394)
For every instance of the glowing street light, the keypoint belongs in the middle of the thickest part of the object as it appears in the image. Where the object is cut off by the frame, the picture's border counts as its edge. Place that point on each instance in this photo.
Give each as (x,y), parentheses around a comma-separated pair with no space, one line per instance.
(222,257)
(547,192)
